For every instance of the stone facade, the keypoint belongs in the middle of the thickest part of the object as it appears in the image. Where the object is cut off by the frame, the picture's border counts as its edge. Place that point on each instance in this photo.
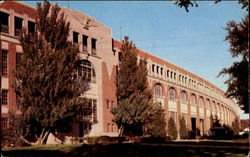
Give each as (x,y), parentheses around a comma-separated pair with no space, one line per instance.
(180,92)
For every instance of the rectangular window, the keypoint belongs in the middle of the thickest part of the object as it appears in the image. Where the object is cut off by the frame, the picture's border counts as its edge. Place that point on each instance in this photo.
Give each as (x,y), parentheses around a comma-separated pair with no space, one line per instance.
(4,22)
(94,110)
(31,27)
(4,97)
(4,62)
(18,25)
(85,43)
(90,110)
(4,123)
(93,46)
(75,37)
(153,68)
(108,127)
(161,71)
(167,73)
(157,69)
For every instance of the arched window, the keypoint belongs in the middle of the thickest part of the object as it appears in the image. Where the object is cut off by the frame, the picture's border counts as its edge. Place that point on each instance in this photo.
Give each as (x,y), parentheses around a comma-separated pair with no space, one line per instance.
(86,70)
(208,104)
(158,90)
(183,96)
(193,100)
(171,94)
(201,102)
(213,106)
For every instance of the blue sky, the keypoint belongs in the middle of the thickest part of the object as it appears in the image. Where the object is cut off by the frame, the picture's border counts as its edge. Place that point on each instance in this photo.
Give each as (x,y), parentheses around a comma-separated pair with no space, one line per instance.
(193,40)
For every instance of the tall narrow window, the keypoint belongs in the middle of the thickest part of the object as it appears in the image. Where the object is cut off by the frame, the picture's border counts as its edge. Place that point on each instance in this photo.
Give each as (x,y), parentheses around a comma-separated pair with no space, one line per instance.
(4,22)
(193,100)
(4,63)
(161,71)
(4,97)
(183,97)
(18,25)
(75,37)
(157,69)
(171,94)
(153,68)
(85,43)
(31,27)
(93,46)
(201,102)
(4,123)
(94,110)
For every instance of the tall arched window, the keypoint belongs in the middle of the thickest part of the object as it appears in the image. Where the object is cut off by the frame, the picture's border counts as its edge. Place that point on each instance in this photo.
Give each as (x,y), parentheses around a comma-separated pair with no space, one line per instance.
(171,94)
(208,104)
(183,96)
(213,106)
(158,90)
(87,71)
(201,102)
(193,100)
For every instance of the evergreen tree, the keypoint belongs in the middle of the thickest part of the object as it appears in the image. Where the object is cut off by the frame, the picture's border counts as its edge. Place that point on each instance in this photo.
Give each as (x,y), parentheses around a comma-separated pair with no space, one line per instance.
(183,128)
(172,130)
(135,105)
(46,84)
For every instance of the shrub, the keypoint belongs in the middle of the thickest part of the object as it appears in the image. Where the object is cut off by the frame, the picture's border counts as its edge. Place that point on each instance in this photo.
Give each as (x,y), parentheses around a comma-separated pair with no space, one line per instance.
(172,131)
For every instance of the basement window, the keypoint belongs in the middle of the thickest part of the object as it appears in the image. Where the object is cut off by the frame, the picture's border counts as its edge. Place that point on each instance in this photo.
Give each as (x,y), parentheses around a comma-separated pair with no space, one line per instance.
(4,22)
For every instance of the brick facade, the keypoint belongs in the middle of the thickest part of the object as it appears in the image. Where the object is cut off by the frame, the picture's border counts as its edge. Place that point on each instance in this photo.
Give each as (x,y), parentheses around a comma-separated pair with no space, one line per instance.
(105,62)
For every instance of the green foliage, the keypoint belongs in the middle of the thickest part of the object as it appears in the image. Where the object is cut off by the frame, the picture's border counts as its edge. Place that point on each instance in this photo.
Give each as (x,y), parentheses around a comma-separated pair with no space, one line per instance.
(172,130)
(135,108)
(47,89)
(156,125)
(216,122)
(183,128)
(237,35)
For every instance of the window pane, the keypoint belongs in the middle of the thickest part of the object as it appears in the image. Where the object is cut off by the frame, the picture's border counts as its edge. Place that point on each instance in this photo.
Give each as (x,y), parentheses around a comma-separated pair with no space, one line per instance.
(4,62)
(4,97)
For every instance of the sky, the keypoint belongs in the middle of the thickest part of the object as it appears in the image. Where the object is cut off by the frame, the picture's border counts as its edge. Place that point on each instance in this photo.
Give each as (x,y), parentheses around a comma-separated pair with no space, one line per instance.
(192,40)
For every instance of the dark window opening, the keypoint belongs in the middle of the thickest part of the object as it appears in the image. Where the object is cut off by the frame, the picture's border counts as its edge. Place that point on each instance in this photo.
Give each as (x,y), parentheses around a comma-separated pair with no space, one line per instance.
(153,68)
(93,46)
(85,43)
(4,97)
(31,27)
(161,71)
(120,56)
(157,69)
(4,62)
(75,37)
(4,123)
(18,26)
(4,22)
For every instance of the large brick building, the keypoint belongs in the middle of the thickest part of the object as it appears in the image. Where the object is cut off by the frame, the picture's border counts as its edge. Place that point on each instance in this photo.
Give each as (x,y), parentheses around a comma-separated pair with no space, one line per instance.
(179,91)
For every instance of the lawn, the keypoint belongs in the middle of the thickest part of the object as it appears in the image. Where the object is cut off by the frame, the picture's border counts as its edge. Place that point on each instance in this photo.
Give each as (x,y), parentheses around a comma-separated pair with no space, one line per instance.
(176,149)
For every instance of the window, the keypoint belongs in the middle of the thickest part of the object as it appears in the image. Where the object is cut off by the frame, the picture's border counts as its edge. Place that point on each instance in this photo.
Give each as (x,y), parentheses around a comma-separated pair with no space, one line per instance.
(31,27)
(193,100)
(208,104)
(4,97)
(213,106)
(86,70)
(167,73)
(112,127)
(171,94)
(4,62)
(108,127)
(201,102)
(157,69)
(85,43)
(93,46)
(90,110)
(158,91)
(183,96)
(108,104)
(18,25)
(4,22)
(4,123)
(161,71)
(153,68)
(75,37)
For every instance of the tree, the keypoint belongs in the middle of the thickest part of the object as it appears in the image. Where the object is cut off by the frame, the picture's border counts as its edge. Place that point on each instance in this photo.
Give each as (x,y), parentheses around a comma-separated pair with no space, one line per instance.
(183,128)
(192,3)
(46,84)
(237,35)
(172,130)
(135,105)
(155,124)
(211,120)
